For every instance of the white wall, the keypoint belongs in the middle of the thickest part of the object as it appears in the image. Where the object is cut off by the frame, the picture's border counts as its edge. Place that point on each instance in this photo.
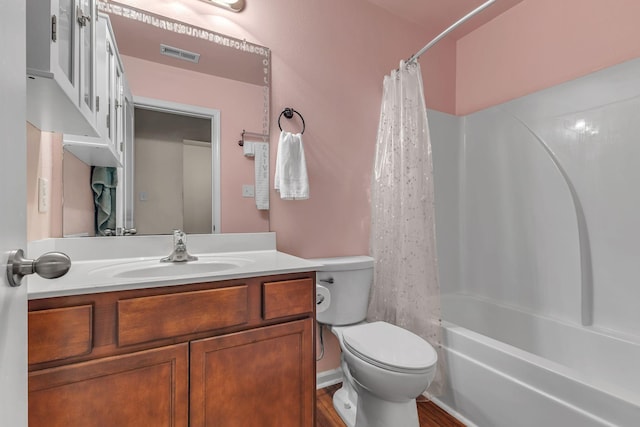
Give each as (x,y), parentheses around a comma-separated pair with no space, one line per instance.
(159,177)
(518,238)
(197,187)
(446,141)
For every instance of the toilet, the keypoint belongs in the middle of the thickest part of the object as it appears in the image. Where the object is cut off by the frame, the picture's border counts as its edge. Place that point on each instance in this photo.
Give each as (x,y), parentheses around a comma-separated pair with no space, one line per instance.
(384,367)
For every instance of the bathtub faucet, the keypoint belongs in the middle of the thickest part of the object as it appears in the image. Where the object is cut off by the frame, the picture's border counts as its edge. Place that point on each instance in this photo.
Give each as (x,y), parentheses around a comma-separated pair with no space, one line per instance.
(179,253)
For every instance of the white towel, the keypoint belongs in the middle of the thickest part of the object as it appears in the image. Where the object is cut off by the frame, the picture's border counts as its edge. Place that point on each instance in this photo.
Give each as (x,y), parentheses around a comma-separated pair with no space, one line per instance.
(262,175)
(248,148)
(290,177)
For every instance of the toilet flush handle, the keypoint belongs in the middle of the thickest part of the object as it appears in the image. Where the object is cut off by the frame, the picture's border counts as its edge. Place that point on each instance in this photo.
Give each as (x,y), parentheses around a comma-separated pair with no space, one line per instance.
(328,280)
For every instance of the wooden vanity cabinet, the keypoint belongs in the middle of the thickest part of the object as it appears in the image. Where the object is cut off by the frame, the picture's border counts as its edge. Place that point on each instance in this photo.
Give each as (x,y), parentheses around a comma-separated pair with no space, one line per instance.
(145,388)
(254,378)
(228,353)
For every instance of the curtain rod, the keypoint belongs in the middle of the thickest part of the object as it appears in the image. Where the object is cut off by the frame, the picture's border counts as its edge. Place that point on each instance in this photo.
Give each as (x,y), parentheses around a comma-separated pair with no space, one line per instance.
(455,25)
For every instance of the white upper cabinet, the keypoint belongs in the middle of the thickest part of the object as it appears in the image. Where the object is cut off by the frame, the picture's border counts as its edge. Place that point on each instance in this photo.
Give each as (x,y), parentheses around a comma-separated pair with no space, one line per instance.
(75,79)
(61,65)
(107,148)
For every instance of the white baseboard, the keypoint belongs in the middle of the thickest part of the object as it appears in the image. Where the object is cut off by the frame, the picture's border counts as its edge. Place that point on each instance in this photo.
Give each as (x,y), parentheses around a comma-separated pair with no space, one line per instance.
(327,378)
(453,412)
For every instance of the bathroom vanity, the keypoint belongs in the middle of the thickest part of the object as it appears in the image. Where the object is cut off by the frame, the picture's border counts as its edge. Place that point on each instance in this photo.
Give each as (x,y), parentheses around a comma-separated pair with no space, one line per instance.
(226,351)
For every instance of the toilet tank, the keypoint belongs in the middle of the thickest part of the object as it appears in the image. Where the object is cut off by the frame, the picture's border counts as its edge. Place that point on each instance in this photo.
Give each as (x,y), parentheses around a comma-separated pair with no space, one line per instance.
(348,280)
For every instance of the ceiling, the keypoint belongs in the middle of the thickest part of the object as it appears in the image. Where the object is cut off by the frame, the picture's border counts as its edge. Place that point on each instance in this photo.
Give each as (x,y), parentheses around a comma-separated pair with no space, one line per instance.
(432,15)
(440,14)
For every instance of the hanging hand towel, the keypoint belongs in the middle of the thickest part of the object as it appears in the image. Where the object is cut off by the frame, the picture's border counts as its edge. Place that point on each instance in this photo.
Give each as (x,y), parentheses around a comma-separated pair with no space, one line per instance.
(262,175)
(248,149)
(104,181)
(290,177)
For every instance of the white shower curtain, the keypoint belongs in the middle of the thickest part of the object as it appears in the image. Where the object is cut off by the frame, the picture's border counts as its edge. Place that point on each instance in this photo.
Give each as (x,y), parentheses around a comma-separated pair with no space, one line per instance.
(405,289)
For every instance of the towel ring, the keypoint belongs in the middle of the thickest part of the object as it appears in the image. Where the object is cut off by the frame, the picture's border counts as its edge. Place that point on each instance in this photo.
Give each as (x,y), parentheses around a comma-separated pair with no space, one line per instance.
(288,113)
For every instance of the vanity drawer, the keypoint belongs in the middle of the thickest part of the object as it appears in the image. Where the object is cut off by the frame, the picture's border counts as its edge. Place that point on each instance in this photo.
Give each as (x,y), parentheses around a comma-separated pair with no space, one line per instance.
(287,298)
(166,316)
(60,333)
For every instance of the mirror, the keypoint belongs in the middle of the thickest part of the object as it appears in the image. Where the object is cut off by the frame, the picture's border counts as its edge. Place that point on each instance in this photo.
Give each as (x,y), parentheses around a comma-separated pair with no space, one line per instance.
(232,76)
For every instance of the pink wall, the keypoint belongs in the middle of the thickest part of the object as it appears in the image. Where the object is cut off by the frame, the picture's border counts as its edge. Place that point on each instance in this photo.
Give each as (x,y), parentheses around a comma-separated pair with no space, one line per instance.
(78,213)
(44,160)
(540,43)
(328,61)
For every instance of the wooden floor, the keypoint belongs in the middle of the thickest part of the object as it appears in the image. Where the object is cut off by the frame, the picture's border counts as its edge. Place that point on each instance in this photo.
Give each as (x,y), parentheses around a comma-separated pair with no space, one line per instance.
(429,413)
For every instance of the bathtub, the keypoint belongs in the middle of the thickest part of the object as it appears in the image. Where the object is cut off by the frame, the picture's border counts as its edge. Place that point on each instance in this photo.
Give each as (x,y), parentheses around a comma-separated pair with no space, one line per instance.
(506,367)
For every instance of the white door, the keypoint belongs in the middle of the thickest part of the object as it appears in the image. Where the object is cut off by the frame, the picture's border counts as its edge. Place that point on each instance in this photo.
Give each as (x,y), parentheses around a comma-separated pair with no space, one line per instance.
(13,301)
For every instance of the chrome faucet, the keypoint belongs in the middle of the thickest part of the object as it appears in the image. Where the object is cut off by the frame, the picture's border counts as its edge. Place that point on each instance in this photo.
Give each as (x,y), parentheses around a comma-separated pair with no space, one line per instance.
(179,253)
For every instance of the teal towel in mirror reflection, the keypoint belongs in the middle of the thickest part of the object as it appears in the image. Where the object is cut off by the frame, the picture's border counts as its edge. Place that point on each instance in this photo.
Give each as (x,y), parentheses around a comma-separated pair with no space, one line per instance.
(103,182)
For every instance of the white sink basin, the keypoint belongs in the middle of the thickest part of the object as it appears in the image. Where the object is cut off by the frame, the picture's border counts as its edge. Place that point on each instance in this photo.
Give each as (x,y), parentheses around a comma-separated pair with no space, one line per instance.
(153,269)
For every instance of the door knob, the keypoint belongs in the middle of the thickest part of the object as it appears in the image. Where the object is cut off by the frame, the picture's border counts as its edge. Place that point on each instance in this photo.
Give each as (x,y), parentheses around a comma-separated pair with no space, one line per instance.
(50,266)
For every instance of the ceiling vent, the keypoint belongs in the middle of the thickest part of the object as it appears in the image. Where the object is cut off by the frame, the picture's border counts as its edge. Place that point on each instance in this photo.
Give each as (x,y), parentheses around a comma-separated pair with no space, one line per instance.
(175,52)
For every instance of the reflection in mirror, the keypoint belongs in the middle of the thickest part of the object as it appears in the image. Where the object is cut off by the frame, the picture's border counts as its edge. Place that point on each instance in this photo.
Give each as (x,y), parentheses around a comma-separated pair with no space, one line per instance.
(173,173)
(232,76)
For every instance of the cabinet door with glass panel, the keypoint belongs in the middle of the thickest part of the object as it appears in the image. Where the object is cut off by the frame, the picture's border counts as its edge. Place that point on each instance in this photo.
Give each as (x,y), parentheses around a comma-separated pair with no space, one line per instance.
(87,18)
(109,84)
(61,65)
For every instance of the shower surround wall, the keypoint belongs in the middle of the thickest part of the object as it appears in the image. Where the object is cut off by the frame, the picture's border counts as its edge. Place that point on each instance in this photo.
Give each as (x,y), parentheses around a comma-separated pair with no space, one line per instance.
(511,235)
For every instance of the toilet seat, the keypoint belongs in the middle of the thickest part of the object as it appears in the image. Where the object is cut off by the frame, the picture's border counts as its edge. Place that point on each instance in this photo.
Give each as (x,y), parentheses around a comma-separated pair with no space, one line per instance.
(390,347)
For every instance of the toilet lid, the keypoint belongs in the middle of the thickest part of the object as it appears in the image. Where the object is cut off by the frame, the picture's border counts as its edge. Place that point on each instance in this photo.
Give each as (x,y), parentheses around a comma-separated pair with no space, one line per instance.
(390,347)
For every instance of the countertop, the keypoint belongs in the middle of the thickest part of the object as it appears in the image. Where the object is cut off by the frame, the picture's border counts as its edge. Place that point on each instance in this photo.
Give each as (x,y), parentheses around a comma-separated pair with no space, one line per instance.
(96,274)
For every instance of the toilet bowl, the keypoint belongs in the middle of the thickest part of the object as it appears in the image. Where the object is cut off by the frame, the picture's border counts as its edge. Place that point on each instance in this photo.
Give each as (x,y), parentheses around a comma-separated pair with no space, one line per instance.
(388,367)
(385,367)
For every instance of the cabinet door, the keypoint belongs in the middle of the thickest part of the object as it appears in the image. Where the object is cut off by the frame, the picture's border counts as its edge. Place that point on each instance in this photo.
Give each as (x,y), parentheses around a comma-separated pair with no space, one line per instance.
(263,377)
(87,40)
(110,81)
(103,37)
(106,84)
(64,51)
(118,110)
(128,160)
(147,388)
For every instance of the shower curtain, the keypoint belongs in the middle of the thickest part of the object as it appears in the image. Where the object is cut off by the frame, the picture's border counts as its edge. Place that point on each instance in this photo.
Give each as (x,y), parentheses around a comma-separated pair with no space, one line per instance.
(405,289)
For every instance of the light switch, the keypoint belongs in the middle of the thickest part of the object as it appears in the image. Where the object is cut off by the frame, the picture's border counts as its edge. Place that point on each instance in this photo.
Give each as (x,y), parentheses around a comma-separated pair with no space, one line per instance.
(43,195)
(143,196)
(248,191)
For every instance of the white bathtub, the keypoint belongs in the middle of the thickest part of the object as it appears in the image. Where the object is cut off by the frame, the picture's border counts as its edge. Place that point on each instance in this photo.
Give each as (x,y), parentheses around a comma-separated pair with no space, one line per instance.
(509,368)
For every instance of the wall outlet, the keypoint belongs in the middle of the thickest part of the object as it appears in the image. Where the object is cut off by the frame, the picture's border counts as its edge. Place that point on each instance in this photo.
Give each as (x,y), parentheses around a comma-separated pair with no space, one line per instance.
(248,191)
(43,195)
